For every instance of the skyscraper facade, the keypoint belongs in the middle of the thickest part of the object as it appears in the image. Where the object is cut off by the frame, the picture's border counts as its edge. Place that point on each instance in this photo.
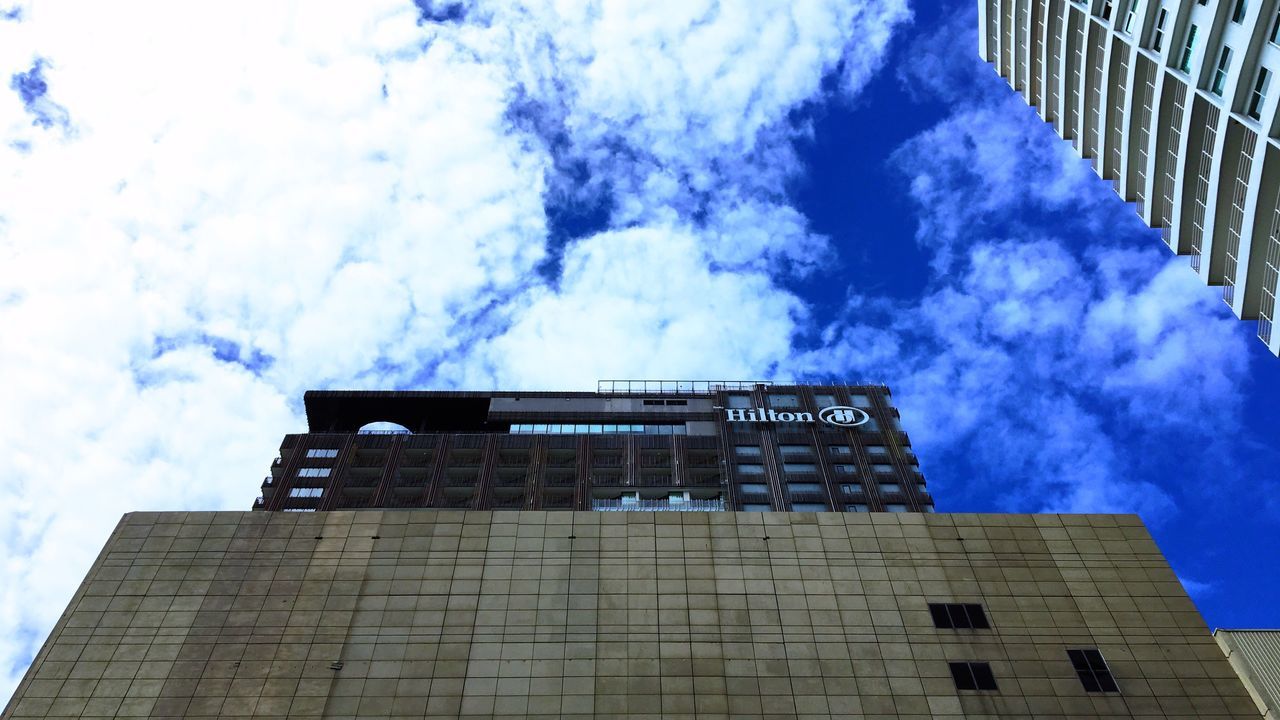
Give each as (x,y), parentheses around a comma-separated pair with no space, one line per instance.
(462,555)
(1174,101)
(631,445)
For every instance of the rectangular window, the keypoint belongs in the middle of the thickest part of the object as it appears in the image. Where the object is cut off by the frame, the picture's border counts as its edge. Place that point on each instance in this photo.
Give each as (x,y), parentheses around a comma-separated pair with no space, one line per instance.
(1241,9)
(1188,50)
(840,449)
(958,616)
(1275,28)
(855,507)
(1130,14)
(973,676)
(313,472)
(748,450)
(756,507)
(1106,9)
(750,469)
(809,507)
(860,401)
(847,469)
(800,467)
(793,450)
(881,468)
(322,453)
(895,507)
(1092,670)
(1157,36)
(299,509)
(1220,74)
(753,489)
(877,450)
(870,426)
(739,401)
(889,488)
(850,489)
(1259,96)
(804,487)
(784,401)
(824,400)
(306,492)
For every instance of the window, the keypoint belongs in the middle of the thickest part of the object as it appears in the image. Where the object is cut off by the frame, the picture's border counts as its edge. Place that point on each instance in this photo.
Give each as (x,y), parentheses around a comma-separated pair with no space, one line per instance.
(1259,95)
(799,467)
(882,468)
(824,400)
(299,509)
(748,450)
(850,489)
(808,507)
(1188,50)
(895,507)
(1241,9)
(1220,74)
(753,488)
(1275,28)
(855,507)
(846,469)
(306,492)
(739,401)
(890,488)
(1106,9)
(322,453)
(796,450)
(756,507)
(784,401)
(958,616)
(1157,36)
(750,469)
(1092,670)
(840,449)
(804,487)
(860,401)
(870,426)
(973,676)
(1132,11)
(877,450)
(313,472)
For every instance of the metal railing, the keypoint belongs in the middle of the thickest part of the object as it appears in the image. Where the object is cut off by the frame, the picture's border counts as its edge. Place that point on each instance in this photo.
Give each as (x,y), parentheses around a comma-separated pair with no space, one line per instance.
(672,387)
(657,505)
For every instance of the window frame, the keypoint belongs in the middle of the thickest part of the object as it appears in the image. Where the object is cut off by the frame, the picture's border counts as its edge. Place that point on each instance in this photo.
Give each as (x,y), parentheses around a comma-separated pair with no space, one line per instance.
(1258,96)
(1188,49)
(1239,11)
(959,616)
(1157,35)
(972,675)
(1219,84)
(1092,670)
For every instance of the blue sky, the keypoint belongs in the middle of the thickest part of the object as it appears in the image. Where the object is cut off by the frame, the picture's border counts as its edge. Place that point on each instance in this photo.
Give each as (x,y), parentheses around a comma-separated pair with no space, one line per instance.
(533,195)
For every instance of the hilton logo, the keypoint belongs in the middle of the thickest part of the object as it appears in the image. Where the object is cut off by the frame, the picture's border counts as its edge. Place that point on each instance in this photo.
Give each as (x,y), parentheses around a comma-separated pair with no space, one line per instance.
(841,415)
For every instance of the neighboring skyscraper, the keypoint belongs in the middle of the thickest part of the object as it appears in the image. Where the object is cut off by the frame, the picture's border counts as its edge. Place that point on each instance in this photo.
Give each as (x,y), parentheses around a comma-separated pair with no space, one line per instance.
(1255,655)
(1175,102)
(632,445)
(534,613)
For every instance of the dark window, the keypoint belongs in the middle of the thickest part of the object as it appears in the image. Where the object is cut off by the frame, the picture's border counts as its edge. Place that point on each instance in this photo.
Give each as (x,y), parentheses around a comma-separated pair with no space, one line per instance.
(1241,9)
(958,616)
(1157,37)
(1093,671)
(1275,28)
(1259,95)
(654,402)
(973,676)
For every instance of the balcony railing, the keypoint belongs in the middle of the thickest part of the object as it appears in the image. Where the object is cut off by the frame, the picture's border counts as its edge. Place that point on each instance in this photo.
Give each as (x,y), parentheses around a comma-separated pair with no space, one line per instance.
(657,505)
(675,387)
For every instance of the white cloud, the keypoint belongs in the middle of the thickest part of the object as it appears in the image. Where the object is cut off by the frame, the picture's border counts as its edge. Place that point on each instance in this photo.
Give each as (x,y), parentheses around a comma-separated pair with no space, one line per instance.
(295,197)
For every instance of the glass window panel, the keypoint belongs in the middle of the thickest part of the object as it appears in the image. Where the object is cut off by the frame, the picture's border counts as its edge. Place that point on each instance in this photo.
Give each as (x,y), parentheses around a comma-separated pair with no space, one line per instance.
(860,401)
(750,469)
(851,489)
(754,488)
(840,449)
(800,467)
(784,401)
(804,487)
(757,507)
(824,400)
(881,468)
(808,507)
(856,507)
(847,469)
(796,449)
(877,450)
(748,450)
(890,488)
(895,507)
(739,401)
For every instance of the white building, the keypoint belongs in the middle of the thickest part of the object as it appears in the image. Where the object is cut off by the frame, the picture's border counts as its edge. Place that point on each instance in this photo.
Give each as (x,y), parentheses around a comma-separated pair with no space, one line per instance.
(1174,101)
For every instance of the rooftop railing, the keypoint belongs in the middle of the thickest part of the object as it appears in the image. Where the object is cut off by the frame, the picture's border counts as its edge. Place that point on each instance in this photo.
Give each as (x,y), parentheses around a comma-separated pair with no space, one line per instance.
(657,505)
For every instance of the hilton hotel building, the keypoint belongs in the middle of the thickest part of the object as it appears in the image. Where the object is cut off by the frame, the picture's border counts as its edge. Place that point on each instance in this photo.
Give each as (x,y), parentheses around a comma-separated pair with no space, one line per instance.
(650,550)
(1175,102)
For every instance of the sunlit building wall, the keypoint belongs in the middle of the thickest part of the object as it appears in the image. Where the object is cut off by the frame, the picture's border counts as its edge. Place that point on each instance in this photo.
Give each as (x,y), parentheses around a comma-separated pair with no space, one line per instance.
(1175,103)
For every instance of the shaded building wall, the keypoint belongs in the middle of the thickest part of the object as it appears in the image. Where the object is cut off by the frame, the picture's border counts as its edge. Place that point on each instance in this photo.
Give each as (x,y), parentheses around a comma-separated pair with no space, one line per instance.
(428,613)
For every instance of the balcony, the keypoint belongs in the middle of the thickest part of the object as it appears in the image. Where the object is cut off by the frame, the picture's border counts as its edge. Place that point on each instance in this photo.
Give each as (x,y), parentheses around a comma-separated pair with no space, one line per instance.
(656,505)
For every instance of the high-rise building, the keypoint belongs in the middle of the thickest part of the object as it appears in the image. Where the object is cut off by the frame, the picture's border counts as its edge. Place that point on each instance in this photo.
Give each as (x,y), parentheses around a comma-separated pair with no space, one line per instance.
(632,445)
(1175,103)
(402,594)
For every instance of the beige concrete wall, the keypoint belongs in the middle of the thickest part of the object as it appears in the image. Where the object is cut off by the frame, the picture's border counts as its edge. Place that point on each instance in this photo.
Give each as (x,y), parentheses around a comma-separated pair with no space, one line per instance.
(674,615)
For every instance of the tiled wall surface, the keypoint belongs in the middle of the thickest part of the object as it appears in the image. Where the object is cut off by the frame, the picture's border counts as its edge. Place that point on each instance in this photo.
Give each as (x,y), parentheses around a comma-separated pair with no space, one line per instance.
(448,614)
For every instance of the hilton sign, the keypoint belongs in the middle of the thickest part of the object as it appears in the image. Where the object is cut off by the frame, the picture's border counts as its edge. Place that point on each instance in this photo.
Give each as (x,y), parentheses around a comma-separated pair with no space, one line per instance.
(841,415)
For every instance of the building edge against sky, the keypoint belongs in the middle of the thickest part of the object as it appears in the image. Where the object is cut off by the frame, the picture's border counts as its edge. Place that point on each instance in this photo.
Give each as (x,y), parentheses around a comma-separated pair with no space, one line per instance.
(356,599)
(1175,102)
